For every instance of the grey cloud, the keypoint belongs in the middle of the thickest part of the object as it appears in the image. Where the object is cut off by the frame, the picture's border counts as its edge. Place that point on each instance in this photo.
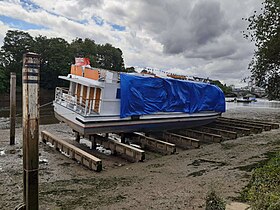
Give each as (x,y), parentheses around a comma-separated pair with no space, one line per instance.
(183,27)
(207,22)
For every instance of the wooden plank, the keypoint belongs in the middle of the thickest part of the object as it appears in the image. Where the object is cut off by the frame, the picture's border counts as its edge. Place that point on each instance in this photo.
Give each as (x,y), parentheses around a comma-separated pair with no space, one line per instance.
(224,133)
(202,136)
(12,107)
(129,152)
(30,127)
(72,151)
(181,141)
(240,131)
(253,129)
(154,144)
(263,126)
(273,125)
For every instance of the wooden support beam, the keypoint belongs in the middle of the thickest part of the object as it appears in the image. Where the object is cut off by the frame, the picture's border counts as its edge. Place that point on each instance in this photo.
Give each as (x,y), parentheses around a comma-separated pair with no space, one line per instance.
(265,127)
(181,141)
(30,125)
(224,133)
(273,125)
(253,129)
(202,136)
(12,108)
(240,131)
(129,152)
(72,151)
(154,144)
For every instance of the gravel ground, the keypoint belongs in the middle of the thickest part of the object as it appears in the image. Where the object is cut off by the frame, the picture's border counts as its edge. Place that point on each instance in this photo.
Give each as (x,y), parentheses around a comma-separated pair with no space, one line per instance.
(179,181)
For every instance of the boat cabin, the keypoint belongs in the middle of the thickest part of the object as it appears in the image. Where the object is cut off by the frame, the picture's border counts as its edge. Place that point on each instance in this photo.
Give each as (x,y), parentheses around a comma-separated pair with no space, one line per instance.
(92,91)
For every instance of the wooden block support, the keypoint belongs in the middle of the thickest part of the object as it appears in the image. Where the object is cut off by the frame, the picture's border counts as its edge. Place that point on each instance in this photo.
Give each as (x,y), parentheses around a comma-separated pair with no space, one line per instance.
(72,151)
(181,141)
(155,144)
(265,125)
(224,133)
(129,152)
(202,136)
(240,131)
(253,129)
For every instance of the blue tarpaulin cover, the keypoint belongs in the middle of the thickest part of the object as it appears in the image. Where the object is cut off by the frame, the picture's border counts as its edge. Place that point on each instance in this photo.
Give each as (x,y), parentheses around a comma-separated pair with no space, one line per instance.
(147,95)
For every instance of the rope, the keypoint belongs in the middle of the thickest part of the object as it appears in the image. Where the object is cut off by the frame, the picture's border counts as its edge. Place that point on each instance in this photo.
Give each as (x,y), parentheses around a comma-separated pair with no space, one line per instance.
(46,104)
(19,114)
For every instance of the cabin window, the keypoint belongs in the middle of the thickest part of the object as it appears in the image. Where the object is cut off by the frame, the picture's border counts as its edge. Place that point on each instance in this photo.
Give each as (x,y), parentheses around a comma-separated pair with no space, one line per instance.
(84,96)
(118,94)
(97,99)
(78,93)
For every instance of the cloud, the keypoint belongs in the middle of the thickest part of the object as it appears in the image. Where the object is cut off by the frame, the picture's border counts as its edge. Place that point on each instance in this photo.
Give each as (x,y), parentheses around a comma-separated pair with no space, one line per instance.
(198,37)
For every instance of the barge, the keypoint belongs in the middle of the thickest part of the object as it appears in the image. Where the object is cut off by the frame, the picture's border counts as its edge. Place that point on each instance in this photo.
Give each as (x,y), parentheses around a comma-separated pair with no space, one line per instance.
(104,101)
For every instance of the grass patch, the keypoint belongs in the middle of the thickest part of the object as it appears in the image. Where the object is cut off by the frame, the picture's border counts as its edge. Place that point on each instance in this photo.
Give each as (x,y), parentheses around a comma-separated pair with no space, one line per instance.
(259,164)
(214,202)
(263,190)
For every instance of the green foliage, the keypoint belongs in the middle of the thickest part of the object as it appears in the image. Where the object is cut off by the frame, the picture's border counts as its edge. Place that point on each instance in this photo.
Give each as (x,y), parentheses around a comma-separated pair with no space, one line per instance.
(264,30)
(56,56)
(263,190)
(3,80)
(108,57)
(214,202)
(224,88)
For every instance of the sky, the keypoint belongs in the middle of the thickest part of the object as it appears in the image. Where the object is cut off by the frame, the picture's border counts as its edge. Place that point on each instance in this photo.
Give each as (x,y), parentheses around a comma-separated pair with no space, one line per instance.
(191,37)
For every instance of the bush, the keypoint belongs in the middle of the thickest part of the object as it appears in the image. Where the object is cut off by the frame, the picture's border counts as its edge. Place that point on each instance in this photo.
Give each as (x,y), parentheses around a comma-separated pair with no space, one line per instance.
(214,202)
(263,190)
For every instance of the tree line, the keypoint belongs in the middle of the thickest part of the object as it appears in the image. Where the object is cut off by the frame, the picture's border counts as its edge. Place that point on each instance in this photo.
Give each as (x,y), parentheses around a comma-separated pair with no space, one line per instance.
(264,30)
(56,56)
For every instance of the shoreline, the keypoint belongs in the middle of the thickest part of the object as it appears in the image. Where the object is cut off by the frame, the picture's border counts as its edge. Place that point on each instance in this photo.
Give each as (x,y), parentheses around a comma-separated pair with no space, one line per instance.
(181,180)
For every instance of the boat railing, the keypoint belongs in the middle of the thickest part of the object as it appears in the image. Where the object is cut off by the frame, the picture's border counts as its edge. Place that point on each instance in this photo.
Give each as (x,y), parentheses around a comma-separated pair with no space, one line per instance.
(77,104)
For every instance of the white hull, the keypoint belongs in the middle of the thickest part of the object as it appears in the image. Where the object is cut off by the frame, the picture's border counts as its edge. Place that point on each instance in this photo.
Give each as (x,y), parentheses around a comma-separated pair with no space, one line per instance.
(87,125)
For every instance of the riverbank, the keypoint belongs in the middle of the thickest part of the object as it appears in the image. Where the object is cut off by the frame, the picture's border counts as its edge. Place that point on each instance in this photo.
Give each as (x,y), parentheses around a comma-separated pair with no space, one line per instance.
(179,181)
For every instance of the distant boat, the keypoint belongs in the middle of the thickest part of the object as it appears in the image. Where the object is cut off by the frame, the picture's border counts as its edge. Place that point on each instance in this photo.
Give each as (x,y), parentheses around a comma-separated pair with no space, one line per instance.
(243,100)
(246,99)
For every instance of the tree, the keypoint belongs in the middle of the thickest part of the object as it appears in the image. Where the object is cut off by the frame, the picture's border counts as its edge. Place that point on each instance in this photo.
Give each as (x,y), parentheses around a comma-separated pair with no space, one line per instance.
(109,57)
(84,48)
(226,89)
(56,59)
(56,54)
(264,30)
(3,80)
(15,44)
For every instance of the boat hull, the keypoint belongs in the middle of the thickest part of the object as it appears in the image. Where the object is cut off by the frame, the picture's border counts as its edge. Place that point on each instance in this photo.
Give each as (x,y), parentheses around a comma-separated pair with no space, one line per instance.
(93,126)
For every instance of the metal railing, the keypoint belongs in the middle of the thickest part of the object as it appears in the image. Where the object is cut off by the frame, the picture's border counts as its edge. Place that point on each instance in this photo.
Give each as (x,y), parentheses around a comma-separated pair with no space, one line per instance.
(79,104)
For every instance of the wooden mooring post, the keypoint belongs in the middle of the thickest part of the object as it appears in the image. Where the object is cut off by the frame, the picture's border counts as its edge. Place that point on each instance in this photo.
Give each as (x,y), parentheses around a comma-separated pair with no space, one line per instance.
(12,107)
(30,123)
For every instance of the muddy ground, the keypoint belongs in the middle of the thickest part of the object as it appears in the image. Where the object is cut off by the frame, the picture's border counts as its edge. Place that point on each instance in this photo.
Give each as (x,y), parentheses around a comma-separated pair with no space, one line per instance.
(179,181)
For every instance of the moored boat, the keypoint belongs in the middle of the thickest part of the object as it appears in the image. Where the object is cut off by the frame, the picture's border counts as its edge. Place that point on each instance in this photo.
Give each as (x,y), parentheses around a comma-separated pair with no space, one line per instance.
(104,101)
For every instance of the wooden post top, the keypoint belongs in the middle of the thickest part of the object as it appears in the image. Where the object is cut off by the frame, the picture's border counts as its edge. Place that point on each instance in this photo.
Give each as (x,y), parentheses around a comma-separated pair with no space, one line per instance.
(31,54)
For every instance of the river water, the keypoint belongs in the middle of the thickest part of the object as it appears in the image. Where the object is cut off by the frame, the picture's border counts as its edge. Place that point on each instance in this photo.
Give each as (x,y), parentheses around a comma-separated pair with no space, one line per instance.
(46,111)
(260,103)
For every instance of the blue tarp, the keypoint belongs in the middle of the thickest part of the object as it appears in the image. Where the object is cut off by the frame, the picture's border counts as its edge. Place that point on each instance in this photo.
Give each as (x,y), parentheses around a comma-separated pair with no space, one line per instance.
(148,95)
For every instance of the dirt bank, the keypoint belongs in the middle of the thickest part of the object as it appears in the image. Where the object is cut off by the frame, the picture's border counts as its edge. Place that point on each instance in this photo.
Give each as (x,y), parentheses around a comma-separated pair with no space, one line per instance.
(178,181)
